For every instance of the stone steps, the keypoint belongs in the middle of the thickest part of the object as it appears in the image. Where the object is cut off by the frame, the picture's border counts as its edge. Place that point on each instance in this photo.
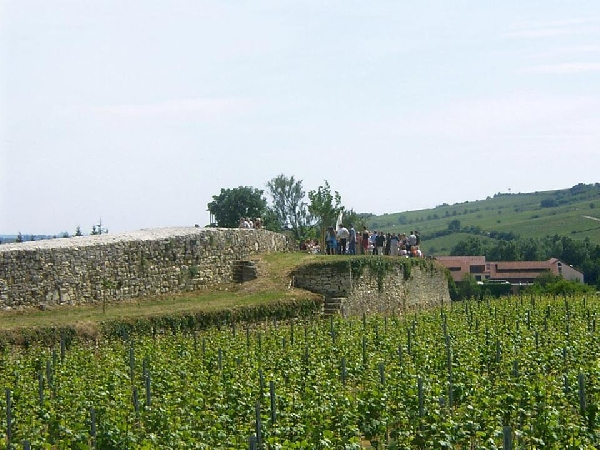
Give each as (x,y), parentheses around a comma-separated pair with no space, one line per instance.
(333,305)
(244,271)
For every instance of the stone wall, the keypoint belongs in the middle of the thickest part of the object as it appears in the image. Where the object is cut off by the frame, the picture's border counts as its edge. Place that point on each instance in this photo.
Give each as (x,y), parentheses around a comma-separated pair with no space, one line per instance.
(88,269)
(373,291)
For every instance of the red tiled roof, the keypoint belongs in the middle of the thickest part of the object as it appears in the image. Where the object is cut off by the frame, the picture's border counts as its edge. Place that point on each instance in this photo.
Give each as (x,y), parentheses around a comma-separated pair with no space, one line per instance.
(466,259)
(516,265)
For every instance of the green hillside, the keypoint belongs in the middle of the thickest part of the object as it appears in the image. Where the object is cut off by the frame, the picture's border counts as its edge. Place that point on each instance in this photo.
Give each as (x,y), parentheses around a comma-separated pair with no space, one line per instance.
(573,212)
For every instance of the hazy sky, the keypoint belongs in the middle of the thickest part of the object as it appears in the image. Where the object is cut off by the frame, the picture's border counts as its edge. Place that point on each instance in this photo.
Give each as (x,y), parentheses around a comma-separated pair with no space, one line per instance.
(140,111)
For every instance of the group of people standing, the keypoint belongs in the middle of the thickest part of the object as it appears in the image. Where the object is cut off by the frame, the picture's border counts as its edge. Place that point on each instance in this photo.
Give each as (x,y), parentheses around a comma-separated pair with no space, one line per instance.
(345,241)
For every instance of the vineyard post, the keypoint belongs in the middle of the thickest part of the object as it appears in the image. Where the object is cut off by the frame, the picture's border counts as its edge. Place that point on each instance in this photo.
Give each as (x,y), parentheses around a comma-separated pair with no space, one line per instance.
(408,342)
(537,340)
(248,336)
(273,398)
(49,376)
(498,350)
(258,343)
(291,333)
(420,394)
(63,346)
(26,445)
(148,398)
(131,363)
(343,370)
(400,356)
(261,381)
(93,426)
(449,362)
(220,359)
(382,373)
(136,401)
(258,426)
(364,350)
(582,403)
(8,418)
(252,442)
(203,348)
(233,328)
(41,388)
(507,438)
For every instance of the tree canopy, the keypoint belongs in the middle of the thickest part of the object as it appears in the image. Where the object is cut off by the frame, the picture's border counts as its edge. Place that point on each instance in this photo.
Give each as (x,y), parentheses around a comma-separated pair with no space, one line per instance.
(325,207)
(232,204)
(289,205)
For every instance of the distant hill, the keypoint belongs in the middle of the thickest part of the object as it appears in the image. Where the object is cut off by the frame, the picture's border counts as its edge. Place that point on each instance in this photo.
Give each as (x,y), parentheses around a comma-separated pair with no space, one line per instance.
(8,238)
(573,212)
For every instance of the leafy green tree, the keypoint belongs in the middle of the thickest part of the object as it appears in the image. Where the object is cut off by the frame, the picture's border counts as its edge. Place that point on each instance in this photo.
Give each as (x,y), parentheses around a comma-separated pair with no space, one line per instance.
(289,206)
(357,219)
(468,287)
(78,231)
(469,247)
(232,204)
(325,206)
(454,226)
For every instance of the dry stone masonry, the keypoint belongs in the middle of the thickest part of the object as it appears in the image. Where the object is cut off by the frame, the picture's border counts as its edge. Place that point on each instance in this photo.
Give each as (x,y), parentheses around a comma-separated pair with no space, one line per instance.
(89,269)
(391,292)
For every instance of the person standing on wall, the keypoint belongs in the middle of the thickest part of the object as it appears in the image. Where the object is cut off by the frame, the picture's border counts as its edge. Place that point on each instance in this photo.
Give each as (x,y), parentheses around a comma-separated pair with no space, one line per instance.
(365,241)
(380,243)
(331,241)
(343,234)
(352,241)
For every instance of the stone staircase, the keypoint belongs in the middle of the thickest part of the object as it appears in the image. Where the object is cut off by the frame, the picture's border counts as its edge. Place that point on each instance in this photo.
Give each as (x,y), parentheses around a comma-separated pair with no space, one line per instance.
(243,271)
(333,305)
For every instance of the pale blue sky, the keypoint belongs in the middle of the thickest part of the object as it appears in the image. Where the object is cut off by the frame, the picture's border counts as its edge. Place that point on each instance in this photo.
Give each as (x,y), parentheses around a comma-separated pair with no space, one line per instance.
(139,111)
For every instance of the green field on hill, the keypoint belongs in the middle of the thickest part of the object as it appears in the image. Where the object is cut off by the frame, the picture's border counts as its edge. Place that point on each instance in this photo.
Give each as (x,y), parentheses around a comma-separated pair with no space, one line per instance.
(573,212)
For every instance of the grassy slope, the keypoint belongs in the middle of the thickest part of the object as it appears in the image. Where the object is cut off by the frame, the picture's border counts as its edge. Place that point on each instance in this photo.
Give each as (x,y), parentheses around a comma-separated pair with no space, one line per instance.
(520,213)
(271,285)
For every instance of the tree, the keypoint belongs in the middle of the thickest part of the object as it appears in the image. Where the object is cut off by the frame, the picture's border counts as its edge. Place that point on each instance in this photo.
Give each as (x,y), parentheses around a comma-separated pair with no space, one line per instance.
(468,287)
(99,229)
(454,226)
(78,231)
(289,206)
(469,247)
(356,219)
(325,207)
(232,204)
(19,237)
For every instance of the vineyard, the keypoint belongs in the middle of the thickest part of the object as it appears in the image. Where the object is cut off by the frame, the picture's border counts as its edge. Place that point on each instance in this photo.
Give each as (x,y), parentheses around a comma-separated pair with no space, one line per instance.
(519,372)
